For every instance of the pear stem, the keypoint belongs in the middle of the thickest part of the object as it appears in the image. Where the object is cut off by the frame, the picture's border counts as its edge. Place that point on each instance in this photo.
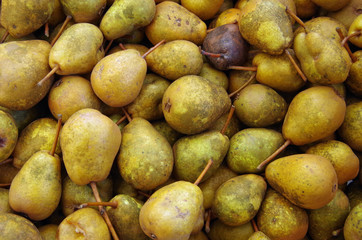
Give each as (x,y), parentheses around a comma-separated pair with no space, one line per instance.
(121,120)
(345,45)
(335,233)
(127,115)
(153,48)
(144,194)
(9,160)
(5,184)
(210,30)
(271,157)
(215,55)
(46,29)
(243,68)
(51,73)
(355,34)
(243,86)
(301,74)
(231,112)
(296,18)
(104,204)
(6,34)
(256,229)
(122,46)
(208,220)
(61,30)
(108,46)
(59,125)
(103,212)
(208,165)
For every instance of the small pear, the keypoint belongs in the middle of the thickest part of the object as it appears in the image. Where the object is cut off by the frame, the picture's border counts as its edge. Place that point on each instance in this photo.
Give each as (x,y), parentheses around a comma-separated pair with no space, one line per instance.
(354,79)
(83,11)
(8,135)
(15,227)
(119,86)
(230,15)
(204,9)
(89,142)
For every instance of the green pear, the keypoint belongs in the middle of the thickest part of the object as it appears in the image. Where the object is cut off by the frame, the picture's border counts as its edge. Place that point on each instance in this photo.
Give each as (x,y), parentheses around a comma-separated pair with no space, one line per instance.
(89,142)
(8,135)
(172,211)
(36,189)
(125,16)
(232,128)
(15,227)
(83,11)
(191,104)
(145,159)
(192,154)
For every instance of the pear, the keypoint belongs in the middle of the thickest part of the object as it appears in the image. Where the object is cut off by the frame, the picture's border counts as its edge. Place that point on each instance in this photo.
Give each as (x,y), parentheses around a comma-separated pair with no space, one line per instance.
(24,117)
(48,232)
(23,64)
(308,181)
(204,9)
(352,226)
(213,75)
(232,128)
(20,18)
(354,193)
(250,146)
(85,223)
(305,8)
(190,106)
(344,161)
(331,5)
(259,235)
(172,211)
(36,189)
(351,129)
(356,28)
(77,50)
(354,79)
(221,231)
(57,15)
(238,200)
(13,227)
(125,16)
(38,135)
(239,78)
(8,172)
(172,21)
(198,236)
(185,59)
(4,201)
(192,154)
(347,14)
(331,217)
(266,25)
(119,86)
(168,132)
(8,135)
(145,159)
(70,94)
(258,105)
(9,38)
(227,16)
(89,142)
(83,11)
(278,218)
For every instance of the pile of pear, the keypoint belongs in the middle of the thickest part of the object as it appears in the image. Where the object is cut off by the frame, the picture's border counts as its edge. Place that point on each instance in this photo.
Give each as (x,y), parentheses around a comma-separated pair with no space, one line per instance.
(87,101)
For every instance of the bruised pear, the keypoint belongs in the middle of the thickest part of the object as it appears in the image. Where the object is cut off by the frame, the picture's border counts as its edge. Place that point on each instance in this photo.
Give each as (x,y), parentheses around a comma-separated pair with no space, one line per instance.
(308,181)
(191,104)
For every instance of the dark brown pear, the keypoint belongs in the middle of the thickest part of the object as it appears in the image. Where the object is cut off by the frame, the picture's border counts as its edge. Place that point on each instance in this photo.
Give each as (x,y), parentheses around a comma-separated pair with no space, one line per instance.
(227,41)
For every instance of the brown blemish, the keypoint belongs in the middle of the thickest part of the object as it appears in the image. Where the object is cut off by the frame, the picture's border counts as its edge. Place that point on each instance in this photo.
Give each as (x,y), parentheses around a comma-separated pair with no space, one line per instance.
(168,105)
(2,142)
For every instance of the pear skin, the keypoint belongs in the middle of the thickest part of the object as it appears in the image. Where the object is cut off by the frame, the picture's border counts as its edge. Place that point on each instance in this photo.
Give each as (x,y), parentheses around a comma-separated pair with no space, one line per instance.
(15,227)
(8,135)
(83,11)
(352,227)
(204,9)
(4,201)
(221,231)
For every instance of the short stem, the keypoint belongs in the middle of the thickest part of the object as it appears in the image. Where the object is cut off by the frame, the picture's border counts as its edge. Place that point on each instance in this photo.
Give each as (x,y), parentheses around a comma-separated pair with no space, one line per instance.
(126,114)
(271,157)
(208,220)
(103,212)
(6,34)
(5,184)
(345,45)
(243,68)
(355,34)
(108,46)
(254,225)
(210,30)
(121,120)
(153,48)
(122,46)
(144,194)
(51,73)
(46,29)
(296,18)
(208,165)
(215,55)
(61,30)
(301,74)
(59,125)
(231,112)
(9,160)
(104,204)
(243,86)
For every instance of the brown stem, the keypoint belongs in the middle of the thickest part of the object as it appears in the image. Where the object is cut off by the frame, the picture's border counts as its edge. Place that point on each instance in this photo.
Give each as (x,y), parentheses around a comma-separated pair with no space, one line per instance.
(9,160)
(127,115)
(153,48)
(271,157)
(46,30)
(144,194)
(301,74)
(208,220)
(51,73)
(345,45)
(296,18)
(6,34)
(355,34)
(210,30)
(215,55)
(121,120)
(5,184)
(231,112)
(243,86)
(208,165)
(103,212)
(104,204)
(66,21)
(243,68)
(59,125)
(108,46)
(256,229)
(122,46)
